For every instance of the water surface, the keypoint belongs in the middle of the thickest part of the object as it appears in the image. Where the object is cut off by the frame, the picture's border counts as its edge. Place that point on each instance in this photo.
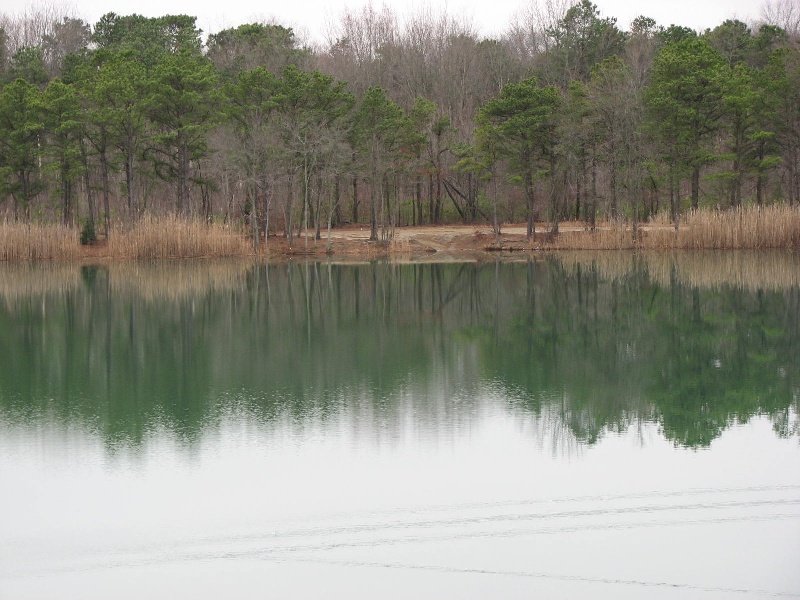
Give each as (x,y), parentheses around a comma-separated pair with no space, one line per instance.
(609,426)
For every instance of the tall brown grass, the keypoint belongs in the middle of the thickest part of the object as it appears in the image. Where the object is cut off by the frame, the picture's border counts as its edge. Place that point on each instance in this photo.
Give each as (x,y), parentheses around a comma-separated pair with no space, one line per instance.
(22,242)
(750,228)
(745,228)
(171,237)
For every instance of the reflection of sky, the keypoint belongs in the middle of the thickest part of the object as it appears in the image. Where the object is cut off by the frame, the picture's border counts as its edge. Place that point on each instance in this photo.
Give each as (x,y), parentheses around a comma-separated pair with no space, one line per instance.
(342,502)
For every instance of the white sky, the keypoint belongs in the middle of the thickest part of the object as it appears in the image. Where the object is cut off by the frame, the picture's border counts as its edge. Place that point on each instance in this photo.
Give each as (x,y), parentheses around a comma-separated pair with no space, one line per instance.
(311,16)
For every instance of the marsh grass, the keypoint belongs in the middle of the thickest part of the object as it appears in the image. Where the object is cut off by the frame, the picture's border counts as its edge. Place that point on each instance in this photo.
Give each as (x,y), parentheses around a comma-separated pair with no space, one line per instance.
(752,228)
(171,237)
(26,242)
(745,228)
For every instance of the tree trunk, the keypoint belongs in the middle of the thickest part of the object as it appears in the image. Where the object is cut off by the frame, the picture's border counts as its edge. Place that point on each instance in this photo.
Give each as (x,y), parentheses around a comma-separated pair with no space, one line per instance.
(318,192)
(253,193)
(438,214)
(613,184)
(129,183)
(355,199)
(529,203)
(266,191)
(90,200)
(183,179)
(66,195)
(430,198)
(373,215)
(106,191)
(336,216)
(736,184)
(287,219)
(417,212)
(695,188)
(593,217)
(674,199)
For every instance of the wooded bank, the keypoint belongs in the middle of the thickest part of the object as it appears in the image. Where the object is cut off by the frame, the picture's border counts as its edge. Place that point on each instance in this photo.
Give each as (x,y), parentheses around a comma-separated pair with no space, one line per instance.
(114,126)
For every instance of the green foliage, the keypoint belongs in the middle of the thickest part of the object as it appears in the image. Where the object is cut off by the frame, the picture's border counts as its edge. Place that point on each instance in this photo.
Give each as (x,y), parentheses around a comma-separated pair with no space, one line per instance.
(675,34)
(520,126)
(733,40)
(21,128)
(28,64)
(88,234)
(148,38)
(3,54)
(63,125)
(183,102)
(378,131)
(685,99)
(581,40)
(252,45)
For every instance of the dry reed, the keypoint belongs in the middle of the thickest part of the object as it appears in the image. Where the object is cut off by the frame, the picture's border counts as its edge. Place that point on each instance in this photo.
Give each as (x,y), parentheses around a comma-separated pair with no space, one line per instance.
(171,237)
(744,228)
(32,241)
(753,228)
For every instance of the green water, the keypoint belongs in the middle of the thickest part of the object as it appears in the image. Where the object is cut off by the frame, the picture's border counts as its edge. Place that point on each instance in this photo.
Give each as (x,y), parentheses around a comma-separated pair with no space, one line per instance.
(386,429)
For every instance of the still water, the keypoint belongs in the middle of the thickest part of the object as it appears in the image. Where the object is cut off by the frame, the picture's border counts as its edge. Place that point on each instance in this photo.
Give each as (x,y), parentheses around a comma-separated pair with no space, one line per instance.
(584,426)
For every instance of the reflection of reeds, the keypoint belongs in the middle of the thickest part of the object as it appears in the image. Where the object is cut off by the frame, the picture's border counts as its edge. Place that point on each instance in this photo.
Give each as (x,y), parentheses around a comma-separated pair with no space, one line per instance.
(37,242)
(171,237)
(173,280)
(745,228)
(751,270)
(23,280)
(156,280)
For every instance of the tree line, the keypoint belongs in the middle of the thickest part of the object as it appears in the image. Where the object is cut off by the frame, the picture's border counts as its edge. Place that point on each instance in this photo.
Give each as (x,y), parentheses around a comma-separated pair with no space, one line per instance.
(563,116)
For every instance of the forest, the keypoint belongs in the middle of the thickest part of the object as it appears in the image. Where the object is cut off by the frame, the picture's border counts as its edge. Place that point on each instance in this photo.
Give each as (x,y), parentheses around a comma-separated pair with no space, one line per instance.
(393,121)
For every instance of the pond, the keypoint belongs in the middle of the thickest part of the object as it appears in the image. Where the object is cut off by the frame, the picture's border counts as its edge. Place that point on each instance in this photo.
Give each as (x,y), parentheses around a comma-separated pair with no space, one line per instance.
(605,426)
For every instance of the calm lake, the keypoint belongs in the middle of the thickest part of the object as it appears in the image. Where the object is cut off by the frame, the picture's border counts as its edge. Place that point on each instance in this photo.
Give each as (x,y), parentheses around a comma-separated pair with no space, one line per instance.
(606,426)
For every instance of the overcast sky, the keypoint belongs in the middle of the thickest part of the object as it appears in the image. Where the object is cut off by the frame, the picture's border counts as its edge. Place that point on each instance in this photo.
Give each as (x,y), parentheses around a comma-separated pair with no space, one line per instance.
(311,16)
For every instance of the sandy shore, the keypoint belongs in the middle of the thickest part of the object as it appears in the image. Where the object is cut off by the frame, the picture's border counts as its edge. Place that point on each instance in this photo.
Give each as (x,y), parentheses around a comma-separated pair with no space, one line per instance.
(441,242)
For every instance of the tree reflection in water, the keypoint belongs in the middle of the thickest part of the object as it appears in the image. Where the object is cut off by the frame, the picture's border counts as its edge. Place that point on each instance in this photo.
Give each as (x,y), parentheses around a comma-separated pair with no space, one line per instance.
(581,344)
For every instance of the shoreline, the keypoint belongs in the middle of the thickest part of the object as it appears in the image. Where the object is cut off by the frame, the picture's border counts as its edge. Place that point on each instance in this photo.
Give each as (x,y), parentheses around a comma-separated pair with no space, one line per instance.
(775,227)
